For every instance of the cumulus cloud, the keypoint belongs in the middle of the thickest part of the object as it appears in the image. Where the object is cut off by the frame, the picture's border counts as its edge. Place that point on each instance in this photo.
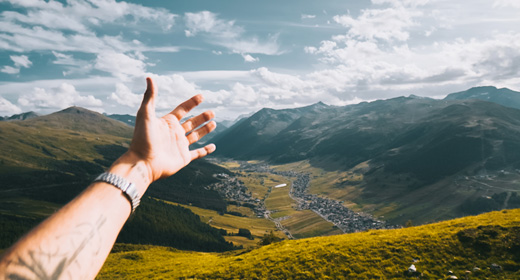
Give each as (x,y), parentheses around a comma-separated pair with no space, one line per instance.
(7,108)
(376,52)
(124,96)
(120,65)
(172,90)
(383,24)
(57,98)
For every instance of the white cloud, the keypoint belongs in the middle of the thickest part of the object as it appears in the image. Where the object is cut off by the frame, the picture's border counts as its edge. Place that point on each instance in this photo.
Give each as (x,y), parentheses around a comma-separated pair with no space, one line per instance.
(401,3)
(21,61)
(382,24)
(208,22)
(227,34)
(10,70)
(366,65)
(243,95)
(249,58)
(69,27)
(73,66)
(172,90)
(120,65)
(305,16)
(124,96)
(506,3)
(57,98)
(77,15)
(7,108)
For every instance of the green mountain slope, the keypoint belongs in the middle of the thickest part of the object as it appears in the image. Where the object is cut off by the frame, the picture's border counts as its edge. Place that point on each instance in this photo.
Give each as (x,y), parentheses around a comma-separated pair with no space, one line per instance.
(48,160)
(478,247)
(253,137)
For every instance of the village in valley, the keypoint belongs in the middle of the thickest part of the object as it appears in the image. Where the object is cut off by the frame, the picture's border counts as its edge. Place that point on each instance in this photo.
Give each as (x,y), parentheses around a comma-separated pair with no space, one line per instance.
(333,211)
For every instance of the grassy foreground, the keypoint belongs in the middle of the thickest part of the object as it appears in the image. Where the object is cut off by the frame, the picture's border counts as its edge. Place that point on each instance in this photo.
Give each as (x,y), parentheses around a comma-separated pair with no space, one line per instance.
(459,245)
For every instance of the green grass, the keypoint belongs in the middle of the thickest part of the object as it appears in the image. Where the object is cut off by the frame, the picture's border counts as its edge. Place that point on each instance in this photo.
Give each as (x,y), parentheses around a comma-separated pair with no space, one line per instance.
(306,223)
(279,200)
(457,245)
(26,207)
(40,147)
(231,223)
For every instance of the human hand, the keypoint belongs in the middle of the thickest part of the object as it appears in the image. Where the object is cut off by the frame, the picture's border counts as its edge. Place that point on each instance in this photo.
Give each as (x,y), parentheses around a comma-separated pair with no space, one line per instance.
(163,143)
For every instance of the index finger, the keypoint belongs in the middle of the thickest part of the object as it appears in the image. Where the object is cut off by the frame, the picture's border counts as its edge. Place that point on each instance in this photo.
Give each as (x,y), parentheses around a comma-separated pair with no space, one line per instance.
(180,111)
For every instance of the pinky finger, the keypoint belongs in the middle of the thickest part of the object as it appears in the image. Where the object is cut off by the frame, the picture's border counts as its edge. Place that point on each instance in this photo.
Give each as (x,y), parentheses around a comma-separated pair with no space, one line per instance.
(202,152)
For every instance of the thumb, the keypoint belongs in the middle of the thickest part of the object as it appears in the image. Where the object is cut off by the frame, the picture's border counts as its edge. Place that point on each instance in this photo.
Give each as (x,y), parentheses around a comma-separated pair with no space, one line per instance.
(148,103)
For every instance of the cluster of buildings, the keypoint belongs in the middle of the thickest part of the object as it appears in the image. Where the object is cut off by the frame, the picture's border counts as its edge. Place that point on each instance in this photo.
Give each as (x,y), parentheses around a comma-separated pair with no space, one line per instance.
(233,189)
(331,210)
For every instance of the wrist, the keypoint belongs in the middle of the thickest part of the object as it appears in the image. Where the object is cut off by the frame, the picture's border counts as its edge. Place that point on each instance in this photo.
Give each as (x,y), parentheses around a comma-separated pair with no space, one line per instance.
(134,169)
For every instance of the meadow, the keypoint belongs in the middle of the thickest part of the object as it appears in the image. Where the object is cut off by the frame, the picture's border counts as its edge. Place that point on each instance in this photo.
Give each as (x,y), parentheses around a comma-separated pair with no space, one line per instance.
(466,246)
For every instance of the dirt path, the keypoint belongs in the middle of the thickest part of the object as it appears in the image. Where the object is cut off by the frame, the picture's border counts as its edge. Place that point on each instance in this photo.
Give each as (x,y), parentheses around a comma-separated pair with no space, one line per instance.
(506,200)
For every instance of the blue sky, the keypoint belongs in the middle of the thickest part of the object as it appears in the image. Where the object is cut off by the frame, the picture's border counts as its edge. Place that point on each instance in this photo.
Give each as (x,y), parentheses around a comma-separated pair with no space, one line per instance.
(245,55)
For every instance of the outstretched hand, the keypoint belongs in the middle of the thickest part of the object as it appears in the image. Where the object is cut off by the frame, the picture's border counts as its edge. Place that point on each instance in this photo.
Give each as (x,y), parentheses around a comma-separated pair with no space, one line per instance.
(163,143)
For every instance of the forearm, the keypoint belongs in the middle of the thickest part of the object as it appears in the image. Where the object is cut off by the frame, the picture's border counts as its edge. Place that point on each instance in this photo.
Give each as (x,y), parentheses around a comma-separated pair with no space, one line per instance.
(75,241)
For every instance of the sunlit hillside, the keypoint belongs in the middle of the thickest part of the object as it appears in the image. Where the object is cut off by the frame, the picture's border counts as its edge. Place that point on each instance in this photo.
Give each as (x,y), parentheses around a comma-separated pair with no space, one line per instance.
(477,247)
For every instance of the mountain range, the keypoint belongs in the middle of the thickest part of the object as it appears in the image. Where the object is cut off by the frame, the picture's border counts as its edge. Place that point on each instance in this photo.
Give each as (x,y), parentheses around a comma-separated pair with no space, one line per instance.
(411,148)
(408,158)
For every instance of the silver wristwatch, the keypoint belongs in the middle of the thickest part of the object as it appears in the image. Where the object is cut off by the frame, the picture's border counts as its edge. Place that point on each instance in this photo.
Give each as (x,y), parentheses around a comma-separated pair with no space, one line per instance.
(121,183)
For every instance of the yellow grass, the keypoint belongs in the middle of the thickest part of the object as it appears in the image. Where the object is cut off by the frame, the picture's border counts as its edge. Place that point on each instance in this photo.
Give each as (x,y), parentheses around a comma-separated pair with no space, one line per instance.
(378,254)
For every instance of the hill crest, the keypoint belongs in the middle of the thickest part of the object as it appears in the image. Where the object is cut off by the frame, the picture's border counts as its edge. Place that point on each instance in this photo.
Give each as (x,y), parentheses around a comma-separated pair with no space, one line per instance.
(81,120)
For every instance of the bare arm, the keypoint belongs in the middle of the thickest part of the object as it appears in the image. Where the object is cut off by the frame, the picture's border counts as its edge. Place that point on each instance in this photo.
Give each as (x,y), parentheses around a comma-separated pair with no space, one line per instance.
(75,241)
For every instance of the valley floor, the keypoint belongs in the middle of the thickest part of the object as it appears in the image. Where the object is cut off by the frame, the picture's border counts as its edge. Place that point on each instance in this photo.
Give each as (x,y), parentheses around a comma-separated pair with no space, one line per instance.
(281,196)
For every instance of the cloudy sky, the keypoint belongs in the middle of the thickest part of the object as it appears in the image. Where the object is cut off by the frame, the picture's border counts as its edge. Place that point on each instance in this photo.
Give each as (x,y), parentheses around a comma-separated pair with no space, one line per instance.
(245,55)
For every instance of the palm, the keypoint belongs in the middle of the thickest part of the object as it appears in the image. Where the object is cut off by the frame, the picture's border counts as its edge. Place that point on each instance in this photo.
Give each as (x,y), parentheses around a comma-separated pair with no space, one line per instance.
(163,143)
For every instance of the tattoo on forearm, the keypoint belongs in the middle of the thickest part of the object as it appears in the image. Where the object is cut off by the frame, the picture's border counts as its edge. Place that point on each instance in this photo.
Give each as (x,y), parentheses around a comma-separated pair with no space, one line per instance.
(142,172)
(53,263)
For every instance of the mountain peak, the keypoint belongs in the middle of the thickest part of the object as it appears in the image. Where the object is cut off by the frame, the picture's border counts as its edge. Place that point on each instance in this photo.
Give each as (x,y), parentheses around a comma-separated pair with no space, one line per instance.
(81,119)
(76,110)
(22,116)
(501,96)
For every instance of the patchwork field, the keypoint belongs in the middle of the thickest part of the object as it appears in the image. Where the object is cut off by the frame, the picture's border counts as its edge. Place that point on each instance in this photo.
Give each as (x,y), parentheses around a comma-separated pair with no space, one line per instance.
(278,201)
(231,223)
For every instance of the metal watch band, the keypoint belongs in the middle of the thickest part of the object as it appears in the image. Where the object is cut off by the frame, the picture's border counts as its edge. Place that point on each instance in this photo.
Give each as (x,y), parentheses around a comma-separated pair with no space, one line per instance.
(121,183)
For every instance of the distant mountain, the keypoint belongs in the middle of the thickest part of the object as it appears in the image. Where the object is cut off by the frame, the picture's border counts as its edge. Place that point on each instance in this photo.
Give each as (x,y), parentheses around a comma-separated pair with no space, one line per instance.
(502,96)
(252,137)
(22,116)
(409,147)
(128,119)
(81,120)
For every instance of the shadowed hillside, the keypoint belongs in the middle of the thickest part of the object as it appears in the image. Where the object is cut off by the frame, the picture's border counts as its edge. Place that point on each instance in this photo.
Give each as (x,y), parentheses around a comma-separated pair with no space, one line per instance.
(51,159)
